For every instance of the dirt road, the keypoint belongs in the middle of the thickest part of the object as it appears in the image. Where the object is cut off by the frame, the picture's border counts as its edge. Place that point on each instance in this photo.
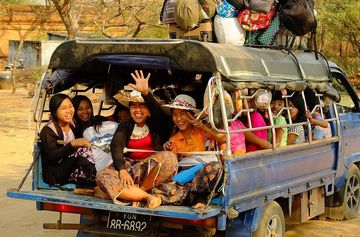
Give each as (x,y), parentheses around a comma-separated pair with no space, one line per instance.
(19,218)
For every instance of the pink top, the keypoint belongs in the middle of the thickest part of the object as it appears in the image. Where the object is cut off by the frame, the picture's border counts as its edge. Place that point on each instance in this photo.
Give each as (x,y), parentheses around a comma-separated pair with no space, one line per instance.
(144,143)
(257,120)
(237,140)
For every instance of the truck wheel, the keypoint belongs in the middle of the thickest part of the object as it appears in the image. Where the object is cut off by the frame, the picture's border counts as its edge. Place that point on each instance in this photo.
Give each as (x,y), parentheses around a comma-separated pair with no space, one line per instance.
(272,223)
(351,196)
(352,193)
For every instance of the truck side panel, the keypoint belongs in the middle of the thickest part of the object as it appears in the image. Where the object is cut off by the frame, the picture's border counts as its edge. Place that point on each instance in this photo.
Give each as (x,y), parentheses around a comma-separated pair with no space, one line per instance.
(263,177)
(349,148)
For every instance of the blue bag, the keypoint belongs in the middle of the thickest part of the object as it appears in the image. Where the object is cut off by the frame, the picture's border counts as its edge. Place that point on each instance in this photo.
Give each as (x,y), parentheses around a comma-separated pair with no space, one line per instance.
(187,175)
(224,9)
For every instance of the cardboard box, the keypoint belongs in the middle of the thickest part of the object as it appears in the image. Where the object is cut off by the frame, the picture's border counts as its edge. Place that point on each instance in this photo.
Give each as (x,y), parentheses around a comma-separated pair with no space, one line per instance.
(204,32)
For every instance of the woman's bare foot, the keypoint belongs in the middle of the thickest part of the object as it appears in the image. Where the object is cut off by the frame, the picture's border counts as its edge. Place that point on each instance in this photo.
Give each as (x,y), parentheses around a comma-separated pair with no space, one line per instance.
(136,204)
(153,202)
(198,205)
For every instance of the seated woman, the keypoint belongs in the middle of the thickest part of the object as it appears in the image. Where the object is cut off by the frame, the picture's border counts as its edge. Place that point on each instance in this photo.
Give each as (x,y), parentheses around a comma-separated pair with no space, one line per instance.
(191,137)
(296,134)
(64,158)
(100,133)
(145,168)
(83,113)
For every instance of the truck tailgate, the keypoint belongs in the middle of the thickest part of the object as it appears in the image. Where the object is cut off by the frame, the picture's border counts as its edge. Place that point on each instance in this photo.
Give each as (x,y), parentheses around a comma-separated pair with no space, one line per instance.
(68,198)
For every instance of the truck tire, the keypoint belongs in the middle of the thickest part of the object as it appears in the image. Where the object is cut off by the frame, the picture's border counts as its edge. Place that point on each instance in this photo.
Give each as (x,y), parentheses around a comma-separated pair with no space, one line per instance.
(351,196)
(352,193)
(272,222)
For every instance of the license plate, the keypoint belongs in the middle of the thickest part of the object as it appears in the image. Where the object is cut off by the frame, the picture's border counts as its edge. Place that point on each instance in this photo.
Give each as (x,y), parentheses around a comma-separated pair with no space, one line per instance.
(128,222)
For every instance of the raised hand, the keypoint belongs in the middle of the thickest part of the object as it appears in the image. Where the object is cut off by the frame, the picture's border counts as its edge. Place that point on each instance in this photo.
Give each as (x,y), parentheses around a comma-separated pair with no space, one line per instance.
(141,83)
(196,122)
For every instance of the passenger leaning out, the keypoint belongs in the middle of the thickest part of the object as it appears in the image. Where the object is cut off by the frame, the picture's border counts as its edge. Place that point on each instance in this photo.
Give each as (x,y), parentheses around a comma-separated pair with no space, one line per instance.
(146,166)
(65,158)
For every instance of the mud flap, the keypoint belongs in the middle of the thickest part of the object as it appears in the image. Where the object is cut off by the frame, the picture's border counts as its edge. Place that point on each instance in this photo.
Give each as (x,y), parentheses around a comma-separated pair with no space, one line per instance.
(246,223)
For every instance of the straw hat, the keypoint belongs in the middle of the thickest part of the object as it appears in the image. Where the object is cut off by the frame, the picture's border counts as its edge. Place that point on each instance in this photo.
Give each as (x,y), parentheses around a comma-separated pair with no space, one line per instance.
(182,101)
(125,97)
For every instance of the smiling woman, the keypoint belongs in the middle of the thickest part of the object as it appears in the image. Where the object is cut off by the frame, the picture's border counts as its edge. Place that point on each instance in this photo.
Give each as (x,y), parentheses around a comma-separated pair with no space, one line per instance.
(83,113)
(139,169)
(65,157)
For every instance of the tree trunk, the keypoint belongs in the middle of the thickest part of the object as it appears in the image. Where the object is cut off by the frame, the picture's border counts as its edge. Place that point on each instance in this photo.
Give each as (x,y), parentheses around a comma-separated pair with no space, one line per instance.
(13,70)
(340,49)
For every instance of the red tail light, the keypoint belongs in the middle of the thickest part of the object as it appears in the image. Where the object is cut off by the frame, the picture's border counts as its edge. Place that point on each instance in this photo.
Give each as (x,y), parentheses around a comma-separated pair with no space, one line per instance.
(206,223)
(62,208)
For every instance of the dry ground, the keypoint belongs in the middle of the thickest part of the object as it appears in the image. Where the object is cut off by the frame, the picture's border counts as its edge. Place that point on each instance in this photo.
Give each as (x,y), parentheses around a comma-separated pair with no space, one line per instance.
(19,218)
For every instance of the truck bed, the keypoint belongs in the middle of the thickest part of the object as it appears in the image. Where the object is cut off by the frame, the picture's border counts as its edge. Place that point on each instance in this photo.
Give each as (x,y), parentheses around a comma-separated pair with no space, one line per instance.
(69,198)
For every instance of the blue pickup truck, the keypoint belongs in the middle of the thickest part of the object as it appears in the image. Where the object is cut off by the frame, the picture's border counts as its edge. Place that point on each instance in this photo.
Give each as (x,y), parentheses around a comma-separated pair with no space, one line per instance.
(260,190)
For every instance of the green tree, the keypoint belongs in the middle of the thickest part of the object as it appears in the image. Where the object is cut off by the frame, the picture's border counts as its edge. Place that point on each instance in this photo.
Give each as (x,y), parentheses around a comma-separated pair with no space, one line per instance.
(339,31)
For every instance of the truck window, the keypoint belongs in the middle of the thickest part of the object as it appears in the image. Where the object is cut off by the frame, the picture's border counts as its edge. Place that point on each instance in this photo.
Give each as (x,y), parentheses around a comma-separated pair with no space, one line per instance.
(346,104)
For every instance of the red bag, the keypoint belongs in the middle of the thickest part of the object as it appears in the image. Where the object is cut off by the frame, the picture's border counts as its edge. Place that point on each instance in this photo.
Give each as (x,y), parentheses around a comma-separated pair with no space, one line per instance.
(252,20)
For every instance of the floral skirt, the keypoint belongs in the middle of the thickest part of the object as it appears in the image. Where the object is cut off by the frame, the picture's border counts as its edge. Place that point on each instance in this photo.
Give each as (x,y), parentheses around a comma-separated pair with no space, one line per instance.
(109,182)
(173,193)
(85,172)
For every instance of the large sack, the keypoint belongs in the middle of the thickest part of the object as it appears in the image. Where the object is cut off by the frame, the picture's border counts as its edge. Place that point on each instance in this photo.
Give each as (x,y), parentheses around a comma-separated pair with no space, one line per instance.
(228,30)
(259,5)
(209,7)
(224,9)
(268,36)
(298,16)
(237,4)
(168,12)
(204,32)
(253,21)
(188,14)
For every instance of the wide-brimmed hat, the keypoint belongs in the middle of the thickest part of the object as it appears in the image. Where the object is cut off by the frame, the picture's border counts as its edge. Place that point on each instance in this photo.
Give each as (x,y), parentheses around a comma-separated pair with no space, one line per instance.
(184,102)
(125,97)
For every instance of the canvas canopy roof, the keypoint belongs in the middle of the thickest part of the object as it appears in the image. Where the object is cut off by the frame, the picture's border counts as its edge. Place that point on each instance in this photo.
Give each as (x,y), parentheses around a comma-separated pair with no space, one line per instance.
(81,61)
(233,62)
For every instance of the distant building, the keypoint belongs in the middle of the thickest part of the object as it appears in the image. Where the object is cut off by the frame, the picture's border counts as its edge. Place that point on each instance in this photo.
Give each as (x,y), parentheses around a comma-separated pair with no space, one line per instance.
(47,31)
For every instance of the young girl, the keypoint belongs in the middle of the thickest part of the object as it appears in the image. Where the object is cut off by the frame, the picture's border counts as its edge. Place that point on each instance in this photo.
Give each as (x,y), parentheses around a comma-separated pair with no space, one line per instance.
(320,128)
(258,140)
(69,160)
(298,114)
(277,103)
